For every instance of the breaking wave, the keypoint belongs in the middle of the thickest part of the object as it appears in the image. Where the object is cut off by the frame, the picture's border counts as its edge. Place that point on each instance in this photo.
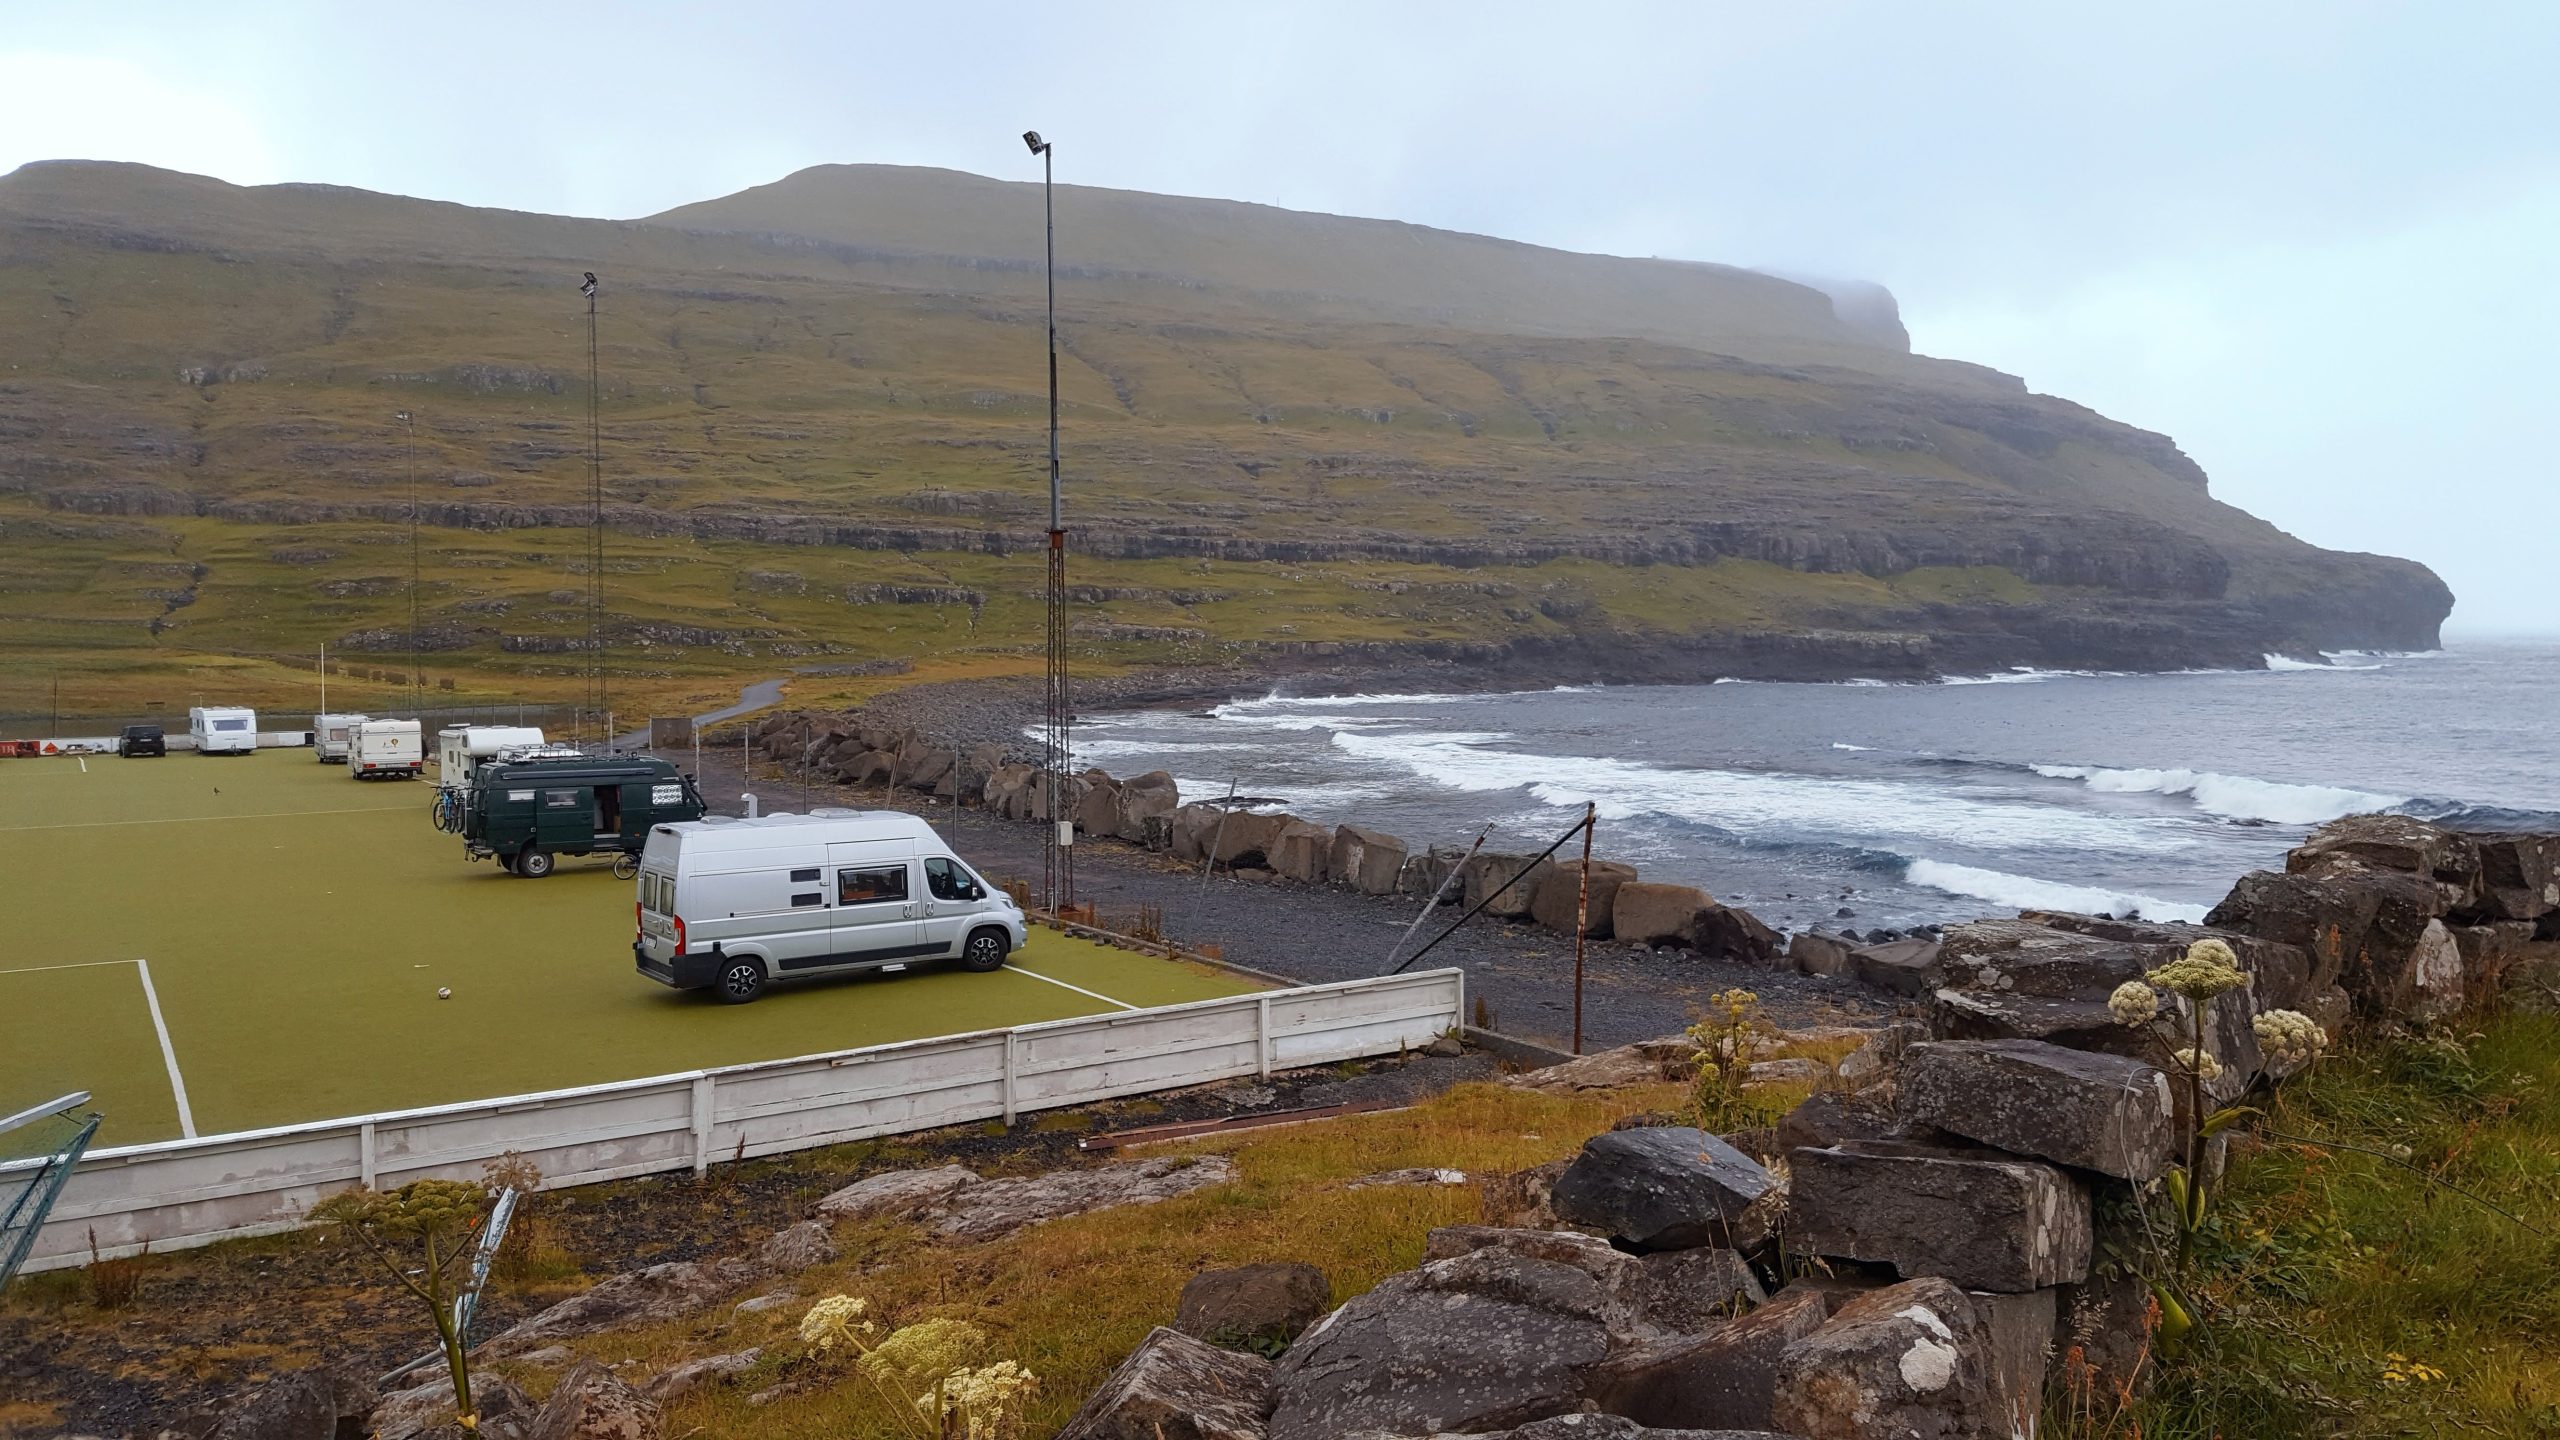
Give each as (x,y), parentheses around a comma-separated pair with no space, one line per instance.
(2025,892)
(2239,797)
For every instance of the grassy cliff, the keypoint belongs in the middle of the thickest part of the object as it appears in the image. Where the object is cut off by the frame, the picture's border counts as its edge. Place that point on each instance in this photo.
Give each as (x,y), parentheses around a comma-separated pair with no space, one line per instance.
(1291,440)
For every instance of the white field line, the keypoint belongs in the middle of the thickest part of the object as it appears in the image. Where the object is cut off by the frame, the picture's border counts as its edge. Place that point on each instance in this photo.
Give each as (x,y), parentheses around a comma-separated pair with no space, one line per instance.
(84,765)
(193,819)
(1063,985)
(74,965)
(177,1082)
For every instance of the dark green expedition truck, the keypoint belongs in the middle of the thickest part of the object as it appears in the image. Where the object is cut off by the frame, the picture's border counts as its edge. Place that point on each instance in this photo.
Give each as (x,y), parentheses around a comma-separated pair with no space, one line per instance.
(527,813)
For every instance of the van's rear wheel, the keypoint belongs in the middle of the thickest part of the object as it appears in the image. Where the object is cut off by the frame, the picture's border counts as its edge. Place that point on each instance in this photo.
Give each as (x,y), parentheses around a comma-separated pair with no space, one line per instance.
(533,862)
(741,980)
(985,951)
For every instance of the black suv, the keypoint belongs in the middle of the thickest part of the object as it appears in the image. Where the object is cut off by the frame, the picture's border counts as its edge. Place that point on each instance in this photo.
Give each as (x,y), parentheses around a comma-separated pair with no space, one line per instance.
(142,740)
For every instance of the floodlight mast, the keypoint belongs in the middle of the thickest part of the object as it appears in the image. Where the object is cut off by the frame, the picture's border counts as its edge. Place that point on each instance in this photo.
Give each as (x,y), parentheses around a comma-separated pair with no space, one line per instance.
(1058,873)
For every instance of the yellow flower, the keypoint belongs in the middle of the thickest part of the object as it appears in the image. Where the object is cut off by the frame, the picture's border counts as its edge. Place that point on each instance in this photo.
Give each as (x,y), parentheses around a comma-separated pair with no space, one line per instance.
(2206,970)
(2399,1369)
(2134,1003)
(835,1320)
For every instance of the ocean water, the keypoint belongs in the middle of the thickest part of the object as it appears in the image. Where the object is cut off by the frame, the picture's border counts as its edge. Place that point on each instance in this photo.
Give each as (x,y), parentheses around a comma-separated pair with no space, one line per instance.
(1903,803)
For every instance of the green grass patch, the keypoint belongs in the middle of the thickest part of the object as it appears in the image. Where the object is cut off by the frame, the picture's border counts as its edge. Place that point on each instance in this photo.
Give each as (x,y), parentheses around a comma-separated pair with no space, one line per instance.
(2347,1295)
(299,924)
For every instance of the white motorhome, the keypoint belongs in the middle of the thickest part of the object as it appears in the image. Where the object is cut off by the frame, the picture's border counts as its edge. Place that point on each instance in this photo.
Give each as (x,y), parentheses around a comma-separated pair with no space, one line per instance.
(223,729)
(460,747)
(729,905)
(386,750)
(333,737)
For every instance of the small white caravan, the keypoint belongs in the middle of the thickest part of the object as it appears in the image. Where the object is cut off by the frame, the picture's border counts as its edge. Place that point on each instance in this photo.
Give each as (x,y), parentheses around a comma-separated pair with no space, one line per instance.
(223,729)
(386,750)
(333,737)
(460,747)
(728,905)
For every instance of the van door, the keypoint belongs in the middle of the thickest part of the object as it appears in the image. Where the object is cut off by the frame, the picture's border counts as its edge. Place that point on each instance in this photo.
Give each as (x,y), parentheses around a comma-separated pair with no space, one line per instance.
(953,898)
(875,910)
(801,934)
(565,816)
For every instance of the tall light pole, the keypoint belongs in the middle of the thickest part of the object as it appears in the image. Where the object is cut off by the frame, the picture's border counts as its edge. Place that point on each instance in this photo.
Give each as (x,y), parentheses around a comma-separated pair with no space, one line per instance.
(409,452)
(1058,871)
(595,531)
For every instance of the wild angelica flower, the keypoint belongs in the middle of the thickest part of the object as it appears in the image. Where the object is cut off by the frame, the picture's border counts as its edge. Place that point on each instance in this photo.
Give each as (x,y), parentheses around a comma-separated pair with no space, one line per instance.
(2206,970)
(2289,1037)
(2134,1003)
(2199,1063)
(835,1320)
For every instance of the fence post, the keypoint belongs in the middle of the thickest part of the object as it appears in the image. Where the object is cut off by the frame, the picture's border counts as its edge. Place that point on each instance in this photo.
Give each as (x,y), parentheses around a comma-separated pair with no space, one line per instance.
(702,1114)
(364,1155)
(1012,1060)
(1262,1034)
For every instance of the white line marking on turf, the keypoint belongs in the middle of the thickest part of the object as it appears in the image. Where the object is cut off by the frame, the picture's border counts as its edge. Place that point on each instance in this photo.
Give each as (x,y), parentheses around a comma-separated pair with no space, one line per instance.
(1063,985)
(84,767)
(177,1082)
(74,965)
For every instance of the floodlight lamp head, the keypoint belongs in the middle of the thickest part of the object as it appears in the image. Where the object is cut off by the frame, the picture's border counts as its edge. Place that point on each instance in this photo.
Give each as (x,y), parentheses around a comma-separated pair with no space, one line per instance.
(1032,139)
(589,288)
(402,417)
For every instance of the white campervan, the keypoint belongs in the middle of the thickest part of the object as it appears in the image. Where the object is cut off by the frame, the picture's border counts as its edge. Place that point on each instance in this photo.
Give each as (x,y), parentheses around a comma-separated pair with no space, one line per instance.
(223,729)
(728,905)
(333,737)
(460,747)
(386,750)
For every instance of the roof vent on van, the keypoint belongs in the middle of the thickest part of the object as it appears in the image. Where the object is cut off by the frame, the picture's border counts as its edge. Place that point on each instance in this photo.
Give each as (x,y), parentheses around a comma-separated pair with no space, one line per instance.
(833,812)
(719,820)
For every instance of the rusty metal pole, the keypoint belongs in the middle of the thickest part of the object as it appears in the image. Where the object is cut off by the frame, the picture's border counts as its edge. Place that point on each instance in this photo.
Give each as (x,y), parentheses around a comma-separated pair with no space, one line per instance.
(1582,920)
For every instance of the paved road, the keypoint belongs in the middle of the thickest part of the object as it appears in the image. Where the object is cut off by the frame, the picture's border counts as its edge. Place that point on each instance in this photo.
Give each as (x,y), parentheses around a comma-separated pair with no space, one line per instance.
(750,699)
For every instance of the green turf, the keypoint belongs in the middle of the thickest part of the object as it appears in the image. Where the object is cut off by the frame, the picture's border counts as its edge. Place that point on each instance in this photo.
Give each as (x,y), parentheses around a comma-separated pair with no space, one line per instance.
(299,923)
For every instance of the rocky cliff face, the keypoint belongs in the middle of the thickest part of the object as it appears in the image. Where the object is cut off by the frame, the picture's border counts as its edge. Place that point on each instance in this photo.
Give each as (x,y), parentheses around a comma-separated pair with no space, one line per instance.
(850,359)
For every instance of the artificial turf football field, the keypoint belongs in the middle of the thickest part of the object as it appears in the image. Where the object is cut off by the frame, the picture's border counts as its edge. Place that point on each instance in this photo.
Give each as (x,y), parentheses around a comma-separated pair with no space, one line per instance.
(297,924)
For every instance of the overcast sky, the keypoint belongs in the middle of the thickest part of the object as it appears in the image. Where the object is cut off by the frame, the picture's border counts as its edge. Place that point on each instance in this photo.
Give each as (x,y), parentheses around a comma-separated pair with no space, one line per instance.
(2313,242)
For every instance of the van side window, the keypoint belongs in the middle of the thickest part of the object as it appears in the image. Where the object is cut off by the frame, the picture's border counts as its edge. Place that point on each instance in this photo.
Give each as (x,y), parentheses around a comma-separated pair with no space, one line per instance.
(872,885)
(563,799)
(805,877)
(948,881)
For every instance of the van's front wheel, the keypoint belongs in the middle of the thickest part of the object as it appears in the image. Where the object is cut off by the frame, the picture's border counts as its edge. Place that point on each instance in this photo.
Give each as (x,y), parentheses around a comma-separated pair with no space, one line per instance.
(984,952)
(741,980)
(534,862)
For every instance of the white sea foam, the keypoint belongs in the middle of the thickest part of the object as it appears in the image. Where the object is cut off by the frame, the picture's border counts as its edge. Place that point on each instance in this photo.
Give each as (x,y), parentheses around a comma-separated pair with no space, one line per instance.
(2023,675)
(2241,797)
(1088,750)
(1845,745)
(1756,805)
(1303,722)
(2025,892)
(1290,702)
(2325,662)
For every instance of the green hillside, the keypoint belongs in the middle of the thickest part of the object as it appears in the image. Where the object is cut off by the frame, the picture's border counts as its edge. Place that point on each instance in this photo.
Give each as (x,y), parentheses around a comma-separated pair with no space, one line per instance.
(823,411)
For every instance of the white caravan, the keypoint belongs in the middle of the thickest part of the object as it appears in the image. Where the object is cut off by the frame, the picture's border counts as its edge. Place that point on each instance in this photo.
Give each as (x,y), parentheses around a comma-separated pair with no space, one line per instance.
(223,729)
(460,747)
(386,750)
(333,737)
(728,905)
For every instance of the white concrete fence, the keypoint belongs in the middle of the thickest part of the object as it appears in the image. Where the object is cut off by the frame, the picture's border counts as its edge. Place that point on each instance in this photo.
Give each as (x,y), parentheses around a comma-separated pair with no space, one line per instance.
(182,1193)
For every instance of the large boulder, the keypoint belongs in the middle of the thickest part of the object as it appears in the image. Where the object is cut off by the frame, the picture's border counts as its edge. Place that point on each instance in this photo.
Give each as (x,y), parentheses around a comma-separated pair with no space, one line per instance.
(1985,1220)
(901,1194)
(1815,953)
(1193,828)
(427,1409)
(2097,1112)
(1905,967)
(1098,809)
(2361,924)
(1665,1187)
(2519,876)
(1173,1387)
(1247,838)
(1653,914)
(795,1248)
(999,1207)
(1427,873)
(646,1296)
(1506,885)
(1301,851)
(2397,842)
(1142,798)
(2279,974)
(1623,1278)
(688,1376)
(1368,861)
(1909,1361)
(1688,1292)
(1479,1341)
(314,1404)
(1253,1304)
(1725,1377)
(1560,897)
(591,1404)
(1729,932)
